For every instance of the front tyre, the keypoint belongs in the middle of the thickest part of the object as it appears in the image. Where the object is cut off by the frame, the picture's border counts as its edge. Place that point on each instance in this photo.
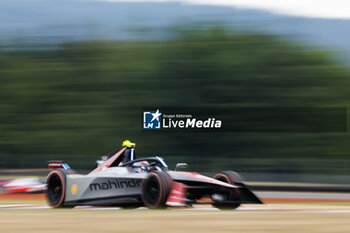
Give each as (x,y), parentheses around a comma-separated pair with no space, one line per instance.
(155,189)
(233,195)
(56,188)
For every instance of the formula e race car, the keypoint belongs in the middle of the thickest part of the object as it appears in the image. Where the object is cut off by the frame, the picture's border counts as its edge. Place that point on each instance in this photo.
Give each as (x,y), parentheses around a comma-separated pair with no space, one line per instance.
(125,181)
(23,185)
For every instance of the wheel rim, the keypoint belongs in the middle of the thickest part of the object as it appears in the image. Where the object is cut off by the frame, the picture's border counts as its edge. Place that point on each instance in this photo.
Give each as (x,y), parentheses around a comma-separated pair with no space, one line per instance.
(54,189)
(152,191)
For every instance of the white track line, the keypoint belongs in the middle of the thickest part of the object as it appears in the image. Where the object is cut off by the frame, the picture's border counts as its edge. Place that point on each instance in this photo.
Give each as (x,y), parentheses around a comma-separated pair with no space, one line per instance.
(304,195)
(24,206)
(260,209)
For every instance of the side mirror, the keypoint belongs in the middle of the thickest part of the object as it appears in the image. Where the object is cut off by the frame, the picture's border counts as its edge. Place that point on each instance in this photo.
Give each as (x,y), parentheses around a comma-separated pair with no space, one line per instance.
(181,166)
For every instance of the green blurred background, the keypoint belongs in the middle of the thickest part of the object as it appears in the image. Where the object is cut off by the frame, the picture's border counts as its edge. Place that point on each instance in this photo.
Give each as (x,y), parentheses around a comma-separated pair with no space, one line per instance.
(83,99)
(79,100)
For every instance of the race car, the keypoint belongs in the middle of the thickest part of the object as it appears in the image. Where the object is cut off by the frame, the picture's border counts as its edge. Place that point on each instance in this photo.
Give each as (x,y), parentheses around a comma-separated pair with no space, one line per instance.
(23,185)
(125,181)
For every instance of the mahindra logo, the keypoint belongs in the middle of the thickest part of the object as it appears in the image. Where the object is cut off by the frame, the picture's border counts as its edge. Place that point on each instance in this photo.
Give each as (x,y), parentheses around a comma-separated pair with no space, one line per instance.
(115,184)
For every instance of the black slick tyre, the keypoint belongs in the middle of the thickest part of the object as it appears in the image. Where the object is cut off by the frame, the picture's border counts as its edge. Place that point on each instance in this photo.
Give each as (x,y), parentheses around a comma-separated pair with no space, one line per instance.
(155,189)
(233,178)
(56,188)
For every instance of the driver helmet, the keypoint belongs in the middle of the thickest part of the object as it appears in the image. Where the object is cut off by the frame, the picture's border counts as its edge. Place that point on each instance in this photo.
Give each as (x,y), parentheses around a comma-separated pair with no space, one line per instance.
(141,167)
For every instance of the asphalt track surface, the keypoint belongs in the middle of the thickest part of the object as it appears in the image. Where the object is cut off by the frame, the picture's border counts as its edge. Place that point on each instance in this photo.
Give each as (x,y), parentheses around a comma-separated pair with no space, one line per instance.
(303,197)
(308,218)
(284,212)
(272,202)
(255,208)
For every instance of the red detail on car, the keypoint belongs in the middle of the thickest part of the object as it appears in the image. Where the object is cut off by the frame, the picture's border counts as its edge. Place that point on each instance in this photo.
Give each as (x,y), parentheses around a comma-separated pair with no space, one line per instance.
(55,164)
(198,176)
(177,195)
(109,162)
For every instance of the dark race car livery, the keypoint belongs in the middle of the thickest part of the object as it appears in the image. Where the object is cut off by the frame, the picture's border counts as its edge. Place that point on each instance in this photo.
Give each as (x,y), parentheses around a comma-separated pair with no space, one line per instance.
(122,180)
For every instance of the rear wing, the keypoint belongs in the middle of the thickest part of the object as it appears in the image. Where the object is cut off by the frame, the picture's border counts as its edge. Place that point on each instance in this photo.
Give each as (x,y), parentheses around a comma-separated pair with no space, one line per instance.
(56,164)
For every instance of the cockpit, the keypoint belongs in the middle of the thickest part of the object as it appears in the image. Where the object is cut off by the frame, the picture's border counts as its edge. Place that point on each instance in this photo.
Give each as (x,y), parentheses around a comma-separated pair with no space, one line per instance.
(145,165)
(126,157)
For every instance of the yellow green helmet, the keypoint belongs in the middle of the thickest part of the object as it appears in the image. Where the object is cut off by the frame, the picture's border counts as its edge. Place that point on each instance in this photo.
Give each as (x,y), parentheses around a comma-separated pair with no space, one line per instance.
(128,144)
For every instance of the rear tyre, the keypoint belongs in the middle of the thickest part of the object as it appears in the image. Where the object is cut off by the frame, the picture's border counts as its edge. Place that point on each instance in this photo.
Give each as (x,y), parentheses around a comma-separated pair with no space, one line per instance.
(233,178)
(155,189)
(56,188)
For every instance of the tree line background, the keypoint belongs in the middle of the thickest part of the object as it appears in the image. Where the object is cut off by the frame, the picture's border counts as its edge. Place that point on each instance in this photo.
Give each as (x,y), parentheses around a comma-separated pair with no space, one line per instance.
(80,100)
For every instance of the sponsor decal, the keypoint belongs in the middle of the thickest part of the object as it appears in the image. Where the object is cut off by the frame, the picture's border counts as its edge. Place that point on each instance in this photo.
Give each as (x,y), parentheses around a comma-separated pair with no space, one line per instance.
(115,184)
(74,189)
